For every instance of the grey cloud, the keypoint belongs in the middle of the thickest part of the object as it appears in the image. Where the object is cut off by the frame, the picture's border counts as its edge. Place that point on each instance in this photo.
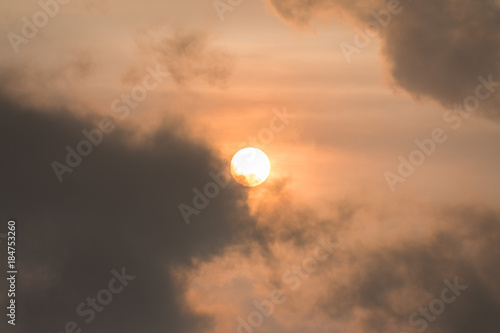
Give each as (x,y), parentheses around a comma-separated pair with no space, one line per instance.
(386,278)
(118,209)
(434,49)
(387,274)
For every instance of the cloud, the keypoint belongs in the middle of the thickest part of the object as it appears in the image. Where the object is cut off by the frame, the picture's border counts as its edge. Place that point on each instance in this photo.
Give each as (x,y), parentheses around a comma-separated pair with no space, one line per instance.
(187,55)
(51,85)
(394,280)
(118,209)
(433,49)
(376,278)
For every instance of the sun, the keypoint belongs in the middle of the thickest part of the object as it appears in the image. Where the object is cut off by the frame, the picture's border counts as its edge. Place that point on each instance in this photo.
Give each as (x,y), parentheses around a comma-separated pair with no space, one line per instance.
(250,167)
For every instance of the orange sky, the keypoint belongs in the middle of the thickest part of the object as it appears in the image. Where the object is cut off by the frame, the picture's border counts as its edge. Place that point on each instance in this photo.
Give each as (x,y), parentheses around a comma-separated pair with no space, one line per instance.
(351,123)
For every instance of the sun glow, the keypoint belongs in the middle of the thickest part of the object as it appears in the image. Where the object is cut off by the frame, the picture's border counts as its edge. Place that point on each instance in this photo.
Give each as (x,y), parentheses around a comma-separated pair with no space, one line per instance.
(250,167)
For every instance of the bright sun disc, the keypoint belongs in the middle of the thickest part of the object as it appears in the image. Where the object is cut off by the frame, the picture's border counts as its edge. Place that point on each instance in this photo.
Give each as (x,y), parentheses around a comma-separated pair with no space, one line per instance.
(250,167)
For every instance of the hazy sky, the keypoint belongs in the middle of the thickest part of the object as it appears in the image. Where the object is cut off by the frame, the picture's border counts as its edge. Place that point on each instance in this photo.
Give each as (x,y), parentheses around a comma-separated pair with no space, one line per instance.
(380,120)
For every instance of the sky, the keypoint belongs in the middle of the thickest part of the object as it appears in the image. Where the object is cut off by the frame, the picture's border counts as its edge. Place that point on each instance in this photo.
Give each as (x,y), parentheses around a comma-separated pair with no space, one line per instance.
(380,119)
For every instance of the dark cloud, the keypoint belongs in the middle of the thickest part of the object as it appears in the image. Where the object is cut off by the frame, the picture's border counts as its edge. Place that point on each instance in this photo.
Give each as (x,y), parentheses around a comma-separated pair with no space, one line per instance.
(377,277)
(119,208)
(396,279)
(434,49)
